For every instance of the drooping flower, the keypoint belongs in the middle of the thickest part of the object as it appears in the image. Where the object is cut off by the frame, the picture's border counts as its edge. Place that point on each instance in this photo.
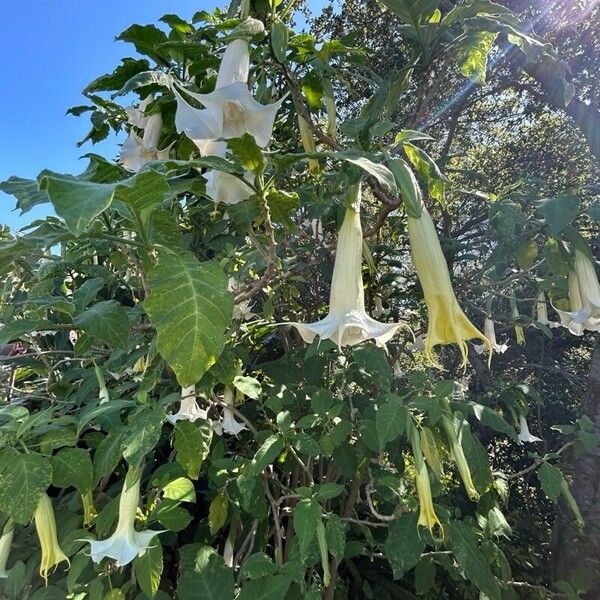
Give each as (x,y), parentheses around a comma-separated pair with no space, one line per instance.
(89,510)
(525,435)
(5,546)
(489,330)
(45,525)
(427,515)
(519,333)
(228,423)
(230,110)
(137,151)
(447,322)
(308,143)
(188,407)
(584,296)
(347,322)
(450,426)
(125,543)
(541,309)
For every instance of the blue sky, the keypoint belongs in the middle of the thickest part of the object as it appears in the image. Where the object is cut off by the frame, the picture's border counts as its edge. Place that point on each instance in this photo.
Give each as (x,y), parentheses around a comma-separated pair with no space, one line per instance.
(52,49)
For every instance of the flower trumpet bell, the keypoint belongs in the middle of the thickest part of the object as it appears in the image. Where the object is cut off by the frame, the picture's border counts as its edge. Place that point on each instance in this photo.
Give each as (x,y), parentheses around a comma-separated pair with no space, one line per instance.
(525,435)
(230,110)
(427,516)
(5,546)
(347,322)
(45,524)
(489,330)
(188,407)
(125,543)
(456,449)
(447,322)
(584,297)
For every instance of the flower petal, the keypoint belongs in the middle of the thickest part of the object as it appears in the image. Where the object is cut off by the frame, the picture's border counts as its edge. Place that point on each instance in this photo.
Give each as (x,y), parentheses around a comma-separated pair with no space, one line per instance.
(198,124)
(235,64)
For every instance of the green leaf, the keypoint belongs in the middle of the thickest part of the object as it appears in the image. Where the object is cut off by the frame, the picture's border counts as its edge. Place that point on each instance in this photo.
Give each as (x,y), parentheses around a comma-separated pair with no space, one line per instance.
(148,569)
(180,489)
(409,186)
(16,329)
(87,292)
(391,419)
(274,587)
(468,555)
(491,418)
(558,212)
(23,480)
(335,532)
(248,386)
(412,12)
(190,307)
(257,565)
(428,170)
(142,434)
(551,479)
(380,172)
(246,149)
(107,321)
(203,575)
(72,467)
(108,452)
(472,54)
(192,443)
(128,68)
(217,513)
(26,191)
(326,491)
(279,40)
(76,201)
(312,88)
(403,546)
(307,515)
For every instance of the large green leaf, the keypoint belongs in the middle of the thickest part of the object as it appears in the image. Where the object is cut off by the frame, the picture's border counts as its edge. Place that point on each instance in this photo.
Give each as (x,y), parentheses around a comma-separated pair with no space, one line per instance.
(26,191)
(558,212)
(77,201)
(106,321)
(403,546)
(551,479)
(72,467)
(307,515)
(391,419)
(23,480)
(190,307)
(471,559)
(409,186)
(148,569)
(380,172)
(203,575)
(192,443)
(142,434)
(472,54)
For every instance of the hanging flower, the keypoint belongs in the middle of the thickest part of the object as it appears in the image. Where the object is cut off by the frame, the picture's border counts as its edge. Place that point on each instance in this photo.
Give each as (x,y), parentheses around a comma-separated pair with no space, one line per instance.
(347,322)
(228,423)
(5,546)
(524,434)
(584,296)
(308,143)
(447,322)
(230,111)
(137,151)
(427,516)
(136,115)
(89,510)
(45,524)
(489,330)
(125,543)
(450,425)
(519,333)
(188,407)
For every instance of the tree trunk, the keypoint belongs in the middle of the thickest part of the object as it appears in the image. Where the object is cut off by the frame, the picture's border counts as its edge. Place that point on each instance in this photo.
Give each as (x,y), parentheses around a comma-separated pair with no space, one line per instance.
(573,549)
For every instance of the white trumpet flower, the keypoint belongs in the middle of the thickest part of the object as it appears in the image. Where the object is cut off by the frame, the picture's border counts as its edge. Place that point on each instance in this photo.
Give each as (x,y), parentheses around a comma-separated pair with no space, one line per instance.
(228,423)
(230,110)
(5,546)
(525,435)
(137,151)
(188,407)
(489,330)
(347,322)
(584,297)
(136,115)
(125,543)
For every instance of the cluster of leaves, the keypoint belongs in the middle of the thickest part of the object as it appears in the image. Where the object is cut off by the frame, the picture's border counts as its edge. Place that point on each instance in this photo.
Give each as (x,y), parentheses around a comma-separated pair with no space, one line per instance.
(113,306)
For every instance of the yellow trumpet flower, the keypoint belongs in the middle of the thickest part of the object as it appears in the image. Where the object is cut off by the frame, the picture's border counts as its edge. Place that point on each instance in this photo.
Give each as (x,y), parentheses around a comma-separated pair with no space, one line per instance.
(448,324)
(45,524)
(427,516)
(5,546)
(308,143)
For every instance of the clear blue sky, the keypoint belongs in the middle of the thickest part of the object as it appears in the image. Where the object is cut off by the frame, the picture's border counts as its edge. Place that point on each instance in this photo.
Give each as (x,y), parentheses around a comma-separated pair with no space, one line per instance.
(52,49)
